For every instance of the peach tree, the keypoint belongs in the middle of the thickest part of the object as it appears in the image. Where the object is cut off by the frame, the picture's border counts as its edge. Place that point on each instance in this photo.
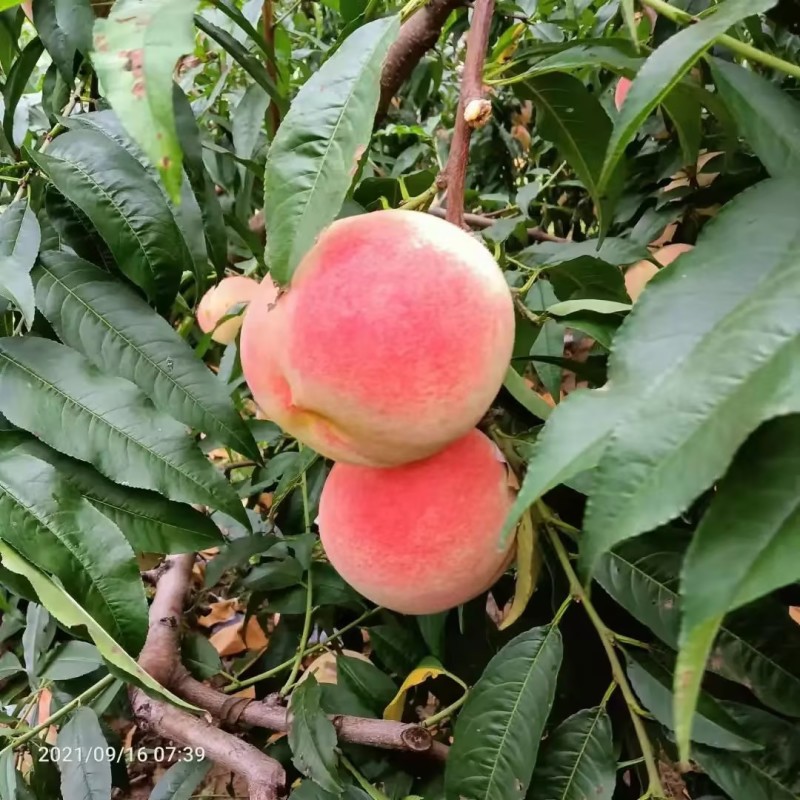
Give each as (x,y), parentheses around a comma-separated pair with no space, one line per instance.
(265,265)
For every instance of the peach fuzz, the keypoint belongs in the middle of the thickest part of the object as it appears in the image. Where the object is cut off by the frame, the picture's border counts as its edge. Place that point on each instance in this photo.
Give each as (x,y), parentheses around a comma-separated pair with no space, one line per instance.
(423,537)
(639,275)
(391,342)
(219,300)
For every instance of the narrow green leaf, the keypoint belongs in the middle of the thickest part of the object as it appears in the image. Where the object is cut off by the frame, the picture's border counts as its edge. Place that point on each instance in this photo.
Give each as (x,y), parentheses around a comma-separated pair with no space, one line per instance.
(128,210)
(70,660)
(64,27)
(598,306)
(575,121)
(16,82)
(58,531)
(685,400)
(187,214)
(630,20)
(662,71)
(772,773)
(119,333)
(20,238)
(767,117)
(85,769)
(652,683)
(253,65)
(40,629)
(201,183)
(318,147)
(496,738)
(756,646)
(9,665)
(525,396)
(752,526)
(372,687)
(181,780)
(135,52)
(70,613)
(57,395)
(312,737)
(577,760)
(149,522)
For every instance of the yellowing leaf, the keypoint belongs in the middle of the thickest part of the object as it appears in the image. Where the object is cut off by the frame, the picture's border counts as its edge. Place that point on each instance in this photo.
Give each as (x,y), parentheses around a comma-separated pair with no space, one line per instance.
(428,668)
(529,563)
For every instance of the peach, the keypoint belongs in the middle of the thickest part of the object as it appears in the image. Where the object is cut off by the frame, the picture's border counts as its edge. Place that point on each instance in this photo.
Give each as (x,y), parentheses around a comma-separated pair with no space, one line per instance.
(639,275)
(422,537)
(621,92)
(390,343)
(220,300)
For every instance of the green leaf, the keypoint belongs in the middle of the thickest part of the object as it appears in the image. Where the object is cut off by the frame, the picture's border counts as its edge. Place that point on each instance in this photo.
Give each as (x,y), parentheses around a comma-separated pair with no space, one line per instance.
(253,65)
(119,333)
(617,252)
(372,687)
(598,306)
(573,119)
(149,522)
(686,112)
(756,646)
(772,773)
(204,190)
(70,660)
(128,210)
(685,399)
(312,737)
(767,117)
(20,238)
(497,734)
(70,613)
(40,629)
(61,533)
(652,683)
(86,771)
(9,665)
(577,760)
(753,527)
(135,52)
(525,396)
(57,395)
(16,82)
(248,121)
(318,147)
(200,656)
(181,780)
(65,28)
(187,214)
(663,70)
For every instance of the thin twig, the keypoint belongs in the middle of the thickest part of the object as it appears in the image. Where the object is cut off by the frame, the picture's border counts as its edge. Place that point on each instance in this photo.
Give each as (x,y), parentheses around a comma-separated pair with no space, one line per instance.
(482,221)
(162,655)
(474,111)
(268,25)
(617,670)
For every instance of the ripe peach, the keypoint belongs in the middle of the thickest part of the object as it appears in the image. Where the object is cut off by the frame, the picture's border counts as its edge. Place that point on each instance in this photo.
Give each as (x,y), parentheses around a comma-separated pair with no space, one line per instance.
(422,537)
(391,342)
(621,92)
(218,301)
(639,275)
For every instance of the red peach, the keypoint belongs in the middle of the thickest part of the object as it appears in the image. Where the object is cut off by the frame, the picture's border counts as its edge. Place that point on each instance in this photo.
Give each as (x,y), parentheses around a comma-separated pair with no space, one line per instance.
(621,92)
(639,275)
(218,301)
(391,342)
(423,537)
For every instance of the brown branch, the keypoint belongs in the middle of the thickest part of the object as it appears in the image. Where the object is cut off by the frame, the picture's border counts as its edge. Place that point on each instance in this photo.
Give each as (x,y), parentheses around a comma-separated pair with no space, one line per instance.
(160,657)
(417,35)
(482,221)
(474,111)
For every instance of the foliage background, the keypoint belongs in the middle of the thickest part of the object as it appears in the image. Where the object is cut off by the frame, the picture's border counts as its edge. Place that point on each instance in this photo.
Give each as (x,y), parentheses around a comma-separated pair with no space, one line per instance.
(660,442)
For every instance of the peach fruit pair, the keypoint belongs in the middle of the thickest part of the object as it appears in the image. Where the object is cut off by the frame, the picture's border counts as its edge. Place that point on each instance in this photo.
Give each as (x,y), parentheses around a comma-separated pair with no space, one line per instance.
(383,354)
